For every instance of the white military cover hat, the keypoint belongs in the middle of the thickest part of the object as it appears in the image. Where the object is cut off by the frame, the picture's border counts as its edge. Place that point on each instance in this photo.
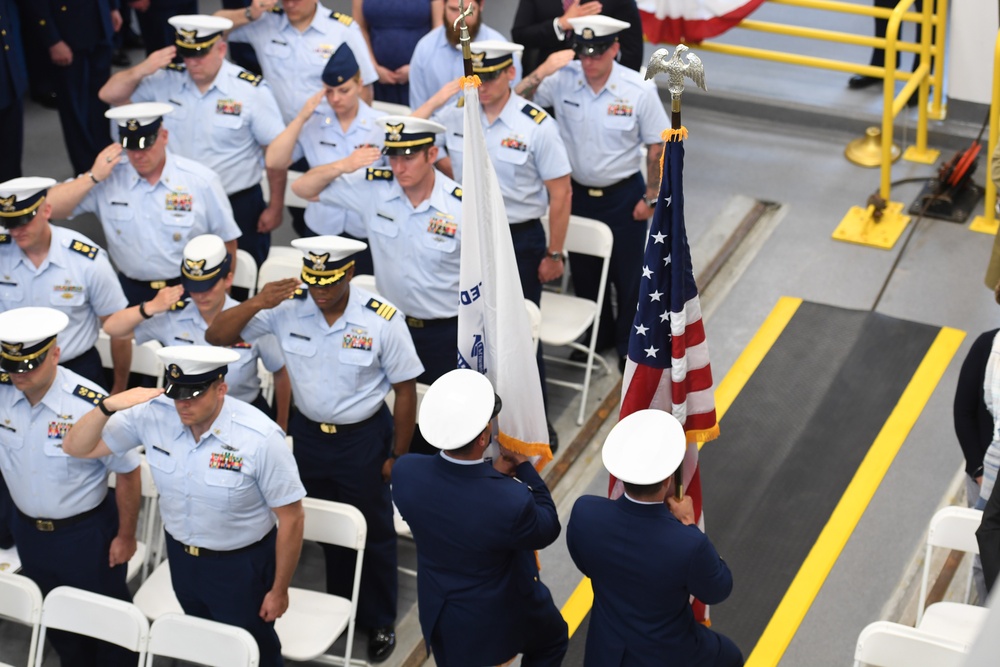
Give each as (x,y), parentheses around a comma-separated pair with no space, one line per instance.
(322,262)
(493,55)
(456,408)
(196,33)
(644,448)
(407,134)
(190,369)
(593,35)
(205,263)
(138,122)
(20,199)
(27,335)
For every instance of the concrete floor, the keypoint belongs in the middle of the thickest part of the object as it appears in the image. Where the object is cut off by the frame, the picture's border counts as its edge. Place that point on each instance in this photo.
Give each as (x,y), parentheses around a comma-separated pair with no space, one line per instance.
(742,144)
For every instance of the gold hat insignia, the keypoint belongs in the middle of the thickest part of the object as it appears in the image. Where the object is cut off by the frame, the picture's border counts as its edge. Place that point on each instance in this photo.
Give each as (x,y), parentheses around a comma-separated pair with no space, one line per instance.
(195,267)
(394,132)
(187,36)
(12,348)
(174,370)
(319,261)
(477,58)
(7,203)
(588,33)
(132,124)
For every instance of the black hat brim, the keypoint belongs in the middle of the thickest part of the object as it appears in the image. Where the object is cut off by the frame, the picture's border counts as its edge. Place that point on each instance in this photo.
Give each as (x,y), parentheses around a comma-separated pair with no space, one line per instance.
(182,392)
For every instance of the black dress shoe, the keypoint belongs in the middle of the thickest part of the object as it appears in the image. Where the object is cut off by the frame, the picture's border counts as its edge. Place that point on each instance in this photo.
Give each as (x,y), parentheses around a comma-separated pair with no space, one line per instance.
(381,643)
(857,82)
(553,437)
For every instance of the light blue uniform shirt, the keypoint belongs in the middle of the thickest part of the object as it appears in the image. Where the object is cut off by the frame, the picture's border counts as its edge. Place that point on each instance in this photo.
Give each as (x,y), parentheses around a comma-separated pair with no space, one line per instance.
(293,61)
(147,226)
(340,374)
(186,325)
(323,141)
(215,493)
(435,62)
(416,249)
(44,481)
(525,148)
(604,131)
(75,278)
(224,128)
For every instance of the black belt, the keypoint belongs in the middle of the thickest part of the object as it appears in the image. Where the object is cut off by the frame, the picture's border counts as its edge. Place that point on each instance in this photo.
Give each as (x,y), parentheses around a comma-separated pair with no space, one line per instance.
(524,226)
(331,429)
(154,284)
(595,191)
(198,552)
(50,525)
(417,323)
(242,193)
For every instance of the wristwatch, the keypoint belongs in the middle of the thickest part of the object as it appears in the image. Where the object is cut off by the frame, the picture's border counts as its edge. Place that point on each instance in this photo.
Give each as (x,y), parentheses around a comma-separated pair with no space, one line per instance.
(557,256)
(651,202)
(247,13)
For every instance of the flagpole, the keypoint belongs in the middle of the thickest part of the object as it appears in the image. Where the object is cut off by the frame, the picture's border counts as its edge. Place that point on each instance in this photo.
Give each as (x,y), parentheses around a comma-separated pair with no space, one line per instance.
(464,39)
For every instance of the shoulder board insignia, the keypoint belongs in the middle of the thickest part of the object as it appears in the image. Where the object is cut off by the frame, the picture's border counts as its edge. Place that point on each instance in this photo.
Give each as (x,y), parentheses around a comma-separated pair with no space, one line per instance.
(534,113)
(457,193)
(88,394)
(88,251)
(379,174)
(250,77)
(5,378)
(300,294)
(4,239)
(343,18)
(277,10)
(180,305)
(176,67)
(381,308)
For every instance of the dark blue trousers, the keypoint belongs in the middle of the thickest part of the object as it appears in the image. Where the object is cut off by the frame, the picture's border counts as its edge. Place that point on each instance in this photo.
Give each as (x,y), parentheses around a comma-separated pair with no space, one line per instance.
(247,206)
(614,209)
(76,555)
(229,588)
(6,516)
(12,136)
(85,129)
(137,291)
(88,365)
(156,32)
(437,348)
(529,243)
(346,467)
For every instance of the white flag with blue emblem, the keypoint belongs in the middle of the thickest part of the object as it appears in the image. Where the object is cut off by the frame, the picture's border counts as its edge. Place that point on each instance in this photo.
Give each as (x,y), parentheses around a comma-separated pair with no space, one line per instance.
(494,334)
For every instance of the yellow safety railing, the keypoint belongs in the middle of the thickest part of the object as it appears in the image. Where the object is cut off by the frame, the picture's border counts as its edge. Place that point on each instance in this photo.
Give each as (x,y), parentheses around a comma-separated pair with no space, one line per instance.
(932,20)
(987,222)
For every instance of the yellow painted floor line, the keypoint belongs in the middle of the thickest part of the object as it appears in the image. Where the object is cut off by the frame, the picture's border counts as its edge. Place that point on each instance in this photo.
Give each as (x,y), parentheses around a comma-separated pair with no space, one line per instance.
(824,553)
(578,605)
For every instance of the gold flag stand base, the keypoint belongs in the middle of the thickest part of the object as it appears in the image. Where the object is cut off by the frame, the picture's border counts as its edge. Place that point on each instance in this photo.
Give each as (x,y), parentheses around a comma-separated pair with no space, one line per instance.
(926,156)
(981,224)
(859,226)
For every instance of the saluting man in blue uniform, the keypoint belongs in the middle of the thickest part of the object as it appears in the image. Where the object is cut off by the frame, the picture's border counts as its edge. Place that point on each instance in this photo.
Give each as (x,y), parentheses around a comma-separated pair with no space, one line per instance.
(46,265)
(225,478)
(331,125)
(606,113)
(149,205)
(224,117)
(414,217)
(345,349)
(206,276)
(476,525)
(646,557)
(69,531)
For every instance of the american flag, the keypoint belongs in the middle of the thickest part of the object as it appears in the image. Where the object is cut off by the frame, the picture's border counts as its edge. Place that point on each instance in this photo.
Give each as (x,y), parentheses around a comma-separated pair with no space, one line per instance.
(676,21)
(667,367)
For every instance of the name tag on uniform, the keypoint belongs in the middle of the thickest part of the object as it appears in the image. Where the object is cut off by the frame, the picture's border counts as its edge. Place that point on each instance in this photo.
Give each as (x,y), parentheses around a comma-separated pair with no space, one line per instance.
(177,201)
(442,225)
(514,143)
(229,107)
(161,450)
(58,430)
(571,103)
(226,461)
(620,108)
(357,339)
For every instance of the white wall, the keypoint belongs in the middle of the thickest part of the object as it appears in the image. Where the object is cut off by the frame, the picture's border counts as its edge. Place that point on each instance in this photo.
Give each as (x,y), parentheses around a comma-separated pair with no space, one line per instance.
(971,42)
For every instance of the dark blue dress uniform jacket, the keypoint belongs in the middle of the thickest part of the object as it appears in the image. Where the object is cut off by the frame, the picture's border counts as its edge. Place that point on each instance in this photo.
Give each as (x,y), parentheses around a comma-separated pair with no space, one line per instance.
(475,529)
(644,564)
(73,21)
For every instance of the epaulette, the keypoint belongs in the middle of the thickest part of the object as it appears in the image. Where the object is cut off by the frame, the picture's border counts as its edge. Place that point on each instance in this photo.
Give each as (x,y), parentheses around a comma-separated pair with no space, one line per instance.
(381,308)
(5,378)
(457,193)
(300,294)
(180,305)
(88,394)
(88,251)
(176,67)
(343,18)
(534,113)
(250,77)
(4,239)
(379,174)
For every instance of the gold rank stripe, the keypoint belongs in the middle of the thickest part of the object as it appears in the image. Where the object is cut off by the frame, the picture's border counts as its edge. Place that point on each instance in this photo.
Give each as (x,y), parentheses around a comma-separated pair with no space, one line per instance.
(384,310)
(197,45)
(493,68)
(28,357)
(23,211)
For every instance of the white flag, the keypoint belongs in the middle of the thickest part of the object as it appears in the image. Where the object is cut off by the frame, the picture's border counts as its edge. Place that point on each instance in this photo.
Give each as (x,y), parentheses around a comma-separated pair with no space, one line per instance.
(494,335)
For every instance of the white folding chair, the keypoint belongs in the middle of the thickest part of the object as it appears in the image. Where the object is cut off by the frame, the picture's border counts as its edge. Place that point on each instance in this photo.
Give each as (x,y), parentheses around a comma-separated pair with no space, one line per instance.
(245,275)
(21,601)
(885,644)
(201,641)
(534,321)
(85,613)
(266,378)
(279,266)
(139,563)
(565,318)
(145,361)
(155,598)
(391,109)
(951,528)
(291,199)
(315,620)
(103,346)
